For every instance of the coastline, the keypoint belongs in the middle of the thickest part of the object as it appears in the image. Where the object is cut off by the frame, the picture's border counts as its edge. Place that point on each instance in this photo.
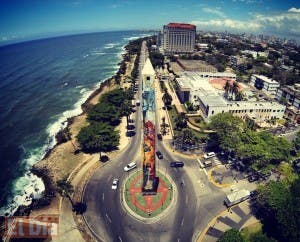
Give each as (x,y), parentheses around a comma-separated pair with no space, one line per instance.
(53,164)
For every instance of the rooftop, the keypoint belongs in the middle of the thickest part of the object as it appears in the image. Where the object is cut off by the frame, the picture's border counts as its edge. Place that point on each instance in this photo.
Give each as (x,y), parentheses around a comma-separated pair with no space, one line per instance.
(182,26)
(265,79)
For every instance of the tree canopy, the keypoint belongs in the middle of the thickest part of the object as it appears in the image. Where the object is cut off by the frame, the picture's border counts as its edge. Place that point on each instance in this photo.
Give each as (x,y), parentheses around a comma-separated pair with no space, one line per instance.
(98,137)
(278,206)
(258,149)
(232,235)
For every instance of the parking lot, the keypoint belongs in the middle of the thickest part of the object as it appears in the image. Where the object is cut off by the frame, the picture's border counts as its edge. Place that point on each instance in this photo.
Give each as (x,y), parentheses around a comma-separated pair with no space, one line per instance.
(227,170)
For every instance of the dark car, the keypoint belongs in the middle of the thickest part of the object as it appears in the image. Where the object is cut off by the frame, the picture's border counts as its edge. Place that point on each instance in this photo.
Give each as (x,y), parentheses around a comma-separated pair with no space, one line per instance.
(253,193)
(253,178)
(159,154)
(176,164)
(159,136)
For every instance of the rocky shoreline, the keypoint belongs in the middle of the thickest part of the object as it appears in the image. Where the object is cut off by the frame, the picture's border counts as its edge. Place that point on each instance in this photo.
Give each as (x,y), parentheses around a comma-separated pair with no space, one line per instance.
(47,171)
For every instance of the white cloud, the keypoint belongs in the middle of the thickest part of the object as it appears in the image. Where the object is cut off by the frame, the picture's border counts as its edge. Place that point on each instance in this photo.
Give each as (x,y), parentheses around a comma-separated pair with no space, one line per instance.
(294,10)
(284,23)
(228,24)
(215,11)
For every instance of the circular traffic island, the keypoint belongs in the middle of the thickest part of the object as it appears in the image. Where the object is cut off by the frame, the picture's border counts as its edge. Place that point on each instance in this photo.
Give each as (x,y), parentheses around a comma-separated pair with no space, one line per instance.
(142,205)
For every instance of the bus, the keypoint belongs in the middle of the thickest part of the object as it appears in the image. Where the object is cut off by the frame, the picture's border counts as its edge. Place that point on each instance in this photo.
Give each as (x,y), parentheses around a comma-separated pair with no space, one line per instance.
(236,197)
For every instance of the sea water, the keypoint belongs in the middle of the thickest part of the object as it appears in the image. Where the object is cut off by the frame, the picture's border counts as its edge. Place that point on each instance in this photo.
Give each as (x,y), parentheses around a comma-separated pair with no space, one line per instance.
(42,83)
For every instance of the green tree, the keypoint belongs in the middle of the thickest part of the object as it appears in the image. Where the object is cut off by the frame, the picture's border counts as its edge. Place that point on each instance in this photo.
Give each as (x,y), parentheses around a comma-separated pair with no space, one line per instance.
(278,206)
(104,112)
(98,137)
(188,138)
(228,129)
(296,141)
(180,121)
(65,189)
(227,88)
(126,110)
(232,235)
(235,88)
(239,96)
(260,237)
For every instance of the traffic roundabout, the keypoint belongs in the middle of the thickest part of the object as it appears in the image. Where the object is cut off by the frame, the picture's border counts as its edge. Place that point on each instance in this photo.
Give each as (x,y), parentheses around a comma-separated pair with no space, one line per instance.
(148,207)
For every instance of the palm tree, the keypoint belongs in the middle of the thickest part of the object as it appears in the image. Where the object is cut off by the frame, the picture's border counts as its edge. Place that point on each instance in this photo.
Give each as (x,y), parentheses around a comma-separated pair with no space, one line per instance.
(65,189)
(235,88)
(239,96)
(227,88)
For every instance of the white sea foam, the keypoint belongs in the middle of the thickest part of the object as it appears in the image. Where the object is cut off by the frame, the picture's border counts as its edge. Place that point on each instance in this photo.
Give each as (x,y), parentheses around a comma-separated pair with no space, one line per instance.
(110,45)
(29,186)
(135,37)
(97,53)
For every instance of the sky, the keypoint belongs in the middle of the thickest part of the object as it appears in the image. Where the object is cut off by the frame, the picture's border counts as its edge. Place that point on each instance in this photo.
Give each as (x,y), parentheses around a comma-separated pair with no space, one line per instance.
(29,19)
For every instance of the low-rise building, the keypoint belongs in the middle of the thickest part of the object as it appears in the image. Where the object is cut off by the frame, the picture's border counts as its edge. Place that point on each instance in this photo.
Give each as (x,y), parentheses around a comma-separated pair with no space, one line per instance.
(290,95)
(264,83)
(197,88)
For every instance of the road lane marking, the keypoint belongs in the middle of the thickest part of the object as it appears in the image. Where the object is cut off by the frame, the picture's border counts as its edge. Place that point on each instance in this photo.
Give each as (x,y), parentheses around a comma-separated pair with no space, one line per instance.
(110,176)
(182,222)
(202,166)
(103,196)
(108,218)
(186,199)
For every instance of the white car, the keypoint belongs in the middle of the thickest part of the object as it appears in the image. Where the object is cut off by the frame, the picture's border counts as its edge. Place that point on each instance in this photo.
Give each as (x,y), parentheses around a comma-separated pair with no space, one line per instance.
(115,184)
(130,166)
(209,155)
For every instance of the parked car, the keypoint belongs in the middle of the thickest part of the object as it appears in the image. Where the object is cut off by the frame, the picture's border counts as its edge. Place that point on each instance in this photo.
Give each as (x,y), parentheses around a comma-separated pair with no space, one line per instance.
(159,154)
(253,193)
(115,184)
(130,166)
(209,155)
(253,178)
(159,136)
(207,163)
(176,164)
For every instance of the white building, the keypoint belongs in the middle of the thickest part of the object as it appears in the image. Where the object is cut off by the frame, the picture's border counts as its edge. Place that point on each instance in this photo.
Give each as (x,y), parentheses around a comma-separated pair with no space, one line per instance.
(178,38)
(196,88)
(264,83)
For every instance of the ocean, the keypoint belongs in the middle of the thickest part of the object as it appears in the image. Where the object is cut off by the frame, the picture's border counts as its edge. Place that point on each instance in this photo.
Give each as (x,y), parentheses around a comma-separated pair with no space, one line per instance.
(42,83)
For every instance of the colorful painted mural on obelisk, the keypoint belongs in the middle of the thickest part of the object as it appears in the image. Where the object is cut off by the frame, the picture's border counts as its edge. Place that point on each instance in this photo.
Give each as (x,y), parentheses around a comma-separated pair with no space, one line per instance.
(150,181)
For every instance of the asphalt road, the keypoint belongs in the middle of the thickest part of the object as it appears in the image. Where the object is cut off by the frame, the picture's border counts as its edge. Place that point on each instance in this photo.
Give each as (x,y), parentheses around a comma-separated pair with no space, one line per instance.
(196,200)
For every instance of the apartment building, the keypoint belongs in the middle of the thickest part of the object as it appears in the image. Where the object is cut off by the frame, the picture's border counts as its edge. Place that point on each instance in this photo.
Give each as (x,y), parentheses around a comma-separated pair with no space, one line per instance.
(177,38)
(264,83)
(290,95)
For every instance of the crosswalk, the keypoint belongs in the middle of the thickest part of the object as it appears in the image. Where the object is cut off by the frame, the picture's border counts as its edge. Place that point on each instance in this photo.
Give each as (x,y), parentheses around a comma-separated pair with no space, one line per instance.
(236,217)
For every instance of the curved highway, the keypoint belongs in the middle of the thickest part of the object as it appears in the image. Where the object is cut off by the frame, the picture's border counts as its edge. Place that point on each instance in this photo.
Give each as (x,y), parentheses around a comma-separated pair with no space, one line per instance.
(196,202)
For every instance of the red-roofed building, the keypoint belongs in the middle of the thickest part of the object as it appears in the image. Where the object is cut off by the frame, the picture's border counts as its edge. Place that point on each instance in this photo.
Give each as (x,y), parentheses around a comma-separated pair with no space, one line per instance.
(178,38)
(182,26)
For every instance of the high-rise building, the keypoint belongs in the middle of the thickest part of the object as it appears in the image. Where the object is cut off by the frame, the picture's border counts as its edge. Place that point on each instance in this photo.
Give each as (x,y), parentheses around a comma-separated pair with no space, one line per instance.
(177,38)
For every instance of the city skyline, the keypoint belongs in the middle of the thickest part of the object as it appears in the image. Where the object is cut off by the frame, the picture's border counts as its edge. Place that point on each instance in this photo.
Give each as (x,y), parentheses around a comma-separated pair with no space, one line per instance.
(33,19)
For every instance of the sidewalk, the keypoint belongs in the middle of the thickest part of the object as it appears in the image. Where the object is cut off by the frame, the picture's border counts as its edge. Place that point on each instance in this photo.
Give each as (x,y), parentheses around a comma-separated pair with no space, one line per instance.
(238,217)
